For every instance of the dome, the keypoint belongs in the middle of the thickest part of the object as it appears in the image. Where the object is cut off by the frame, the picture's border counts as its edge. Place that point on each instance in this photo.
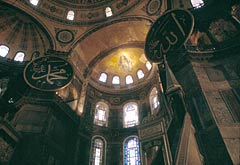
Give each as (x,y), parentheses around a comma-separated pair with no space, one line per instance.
(22,34)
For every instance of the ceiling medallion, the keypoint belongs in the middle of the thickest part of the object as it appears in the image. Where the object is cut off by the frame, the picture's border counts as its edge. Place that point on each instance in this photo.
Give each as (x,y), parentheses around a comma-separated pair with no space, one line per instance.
(48,73)
(153,6)
(65,36)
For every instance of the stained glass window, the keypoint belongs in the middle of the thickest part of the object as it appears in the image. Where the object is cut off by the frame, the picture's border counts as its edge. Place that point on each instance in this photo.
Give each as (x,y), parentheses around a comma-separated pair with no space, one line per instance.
(101,114)
(19,57)
(98,151)
(154,101)
(103,77)
(3,50)
(131,151)
(130,115)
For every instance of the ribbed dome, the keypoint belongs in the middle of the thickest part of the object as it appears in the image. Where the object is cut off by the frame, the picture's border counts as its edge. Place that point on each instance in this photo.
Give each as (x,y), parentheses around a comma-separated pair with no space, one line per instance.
(20,33)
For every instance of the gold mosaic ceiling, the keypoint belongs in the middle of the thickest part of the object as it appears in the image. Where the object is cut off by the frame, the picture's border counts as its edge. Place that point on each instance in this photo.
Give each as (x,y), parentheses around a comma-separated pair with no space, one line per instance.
(97,44)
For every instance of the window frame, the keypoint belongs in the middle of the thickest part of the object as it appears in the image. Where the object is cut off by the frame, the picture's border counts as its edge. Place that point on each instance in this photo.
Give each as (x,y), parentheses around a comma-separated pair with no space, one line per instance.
(125,123)
(126,79)
(118,80)
(97,121)
(108,11)
(14,59)
(197,4)
(140,73)
(5,46)
(92,155)
(70,15)
(126,140)
(33,2)
(103,73)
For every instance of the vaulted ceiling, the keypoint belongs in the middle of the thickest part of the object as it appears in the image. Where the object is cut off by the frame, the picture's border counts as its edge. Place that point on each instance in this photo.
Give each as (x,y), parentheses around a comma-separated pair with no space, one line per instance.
(93,42)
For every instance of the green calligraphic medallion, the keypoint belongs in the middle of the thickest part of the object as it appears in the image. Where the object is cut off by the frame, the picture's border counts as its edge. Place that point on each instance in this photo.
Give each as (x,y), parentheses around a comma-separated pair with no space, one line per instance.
(168,33)
(48,73)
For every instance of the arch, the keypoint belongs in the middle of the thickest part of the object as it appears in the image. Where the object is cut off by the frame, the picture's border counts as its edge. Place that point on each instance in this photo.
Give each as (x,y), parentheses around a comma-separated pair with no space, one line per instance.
(4,50)
(116,80)
(129,79)
(70,15)
(19,56)
(131,151)
(103,77)
(98,150)
(108,12)
(101,114)
(140,74)
(130,114)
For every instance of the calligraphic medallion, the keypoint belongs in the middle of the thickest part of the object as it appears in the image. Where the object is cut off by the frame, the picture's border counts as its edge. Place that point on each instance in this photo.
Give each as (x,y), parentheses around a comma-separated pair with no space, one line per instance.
(48,73)
(168,33)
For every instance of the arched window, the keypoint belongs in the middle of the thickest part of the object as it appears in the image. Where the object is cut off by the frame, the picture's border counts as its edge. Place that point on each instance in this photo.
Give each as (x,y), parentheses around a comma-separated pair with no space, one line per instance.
(131,151)
(140,74)
(154,101)
(130,115)
(148,65)
(34,2)
(4,50)
(108,12)
(98,151)
(197,3)
(129,79)
(70,15)
(116,80)
(101,114)
(103,77)
(19,56)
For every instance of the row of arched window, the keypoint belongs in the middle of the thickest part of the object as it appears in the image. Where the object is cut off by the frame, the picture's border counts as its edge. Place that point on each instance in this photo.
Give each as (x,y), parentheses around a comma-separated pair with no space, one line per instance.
(128,79)
(4,50)
(131,151)
(130,111)
(71,13)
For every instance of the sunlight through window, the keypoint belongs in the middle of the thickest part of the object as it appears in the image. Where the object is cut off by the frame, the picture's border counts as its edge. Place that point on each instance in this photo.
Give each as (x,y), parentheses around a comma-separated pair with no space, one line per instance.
(108,12)
(148,65)
(103,77)
(70,15)
(19,57)
(129,79)
(197,3)
(115,80)
(140,74)
(3,50)
(34,2)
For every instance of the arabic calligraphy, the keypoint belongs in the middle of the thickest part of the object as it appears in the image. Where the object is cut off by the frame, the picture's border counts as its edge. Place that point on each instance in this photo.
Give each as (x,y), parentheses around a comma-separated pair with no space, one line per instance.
(48,73)
(168,33)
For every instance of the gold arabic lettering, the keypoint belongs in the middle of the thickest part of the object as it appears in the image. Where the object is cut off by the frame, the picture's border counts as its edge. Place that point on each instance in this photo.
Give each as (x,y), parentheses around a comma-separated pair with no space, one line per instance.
(50,76)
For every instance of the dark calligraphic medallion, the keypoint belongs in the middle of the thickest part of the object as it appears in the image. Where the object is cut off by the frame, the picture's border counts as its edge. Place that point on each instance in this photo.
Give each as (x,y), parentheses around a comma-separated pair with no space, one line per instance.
(65,36)
(168,33)
(48,73)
